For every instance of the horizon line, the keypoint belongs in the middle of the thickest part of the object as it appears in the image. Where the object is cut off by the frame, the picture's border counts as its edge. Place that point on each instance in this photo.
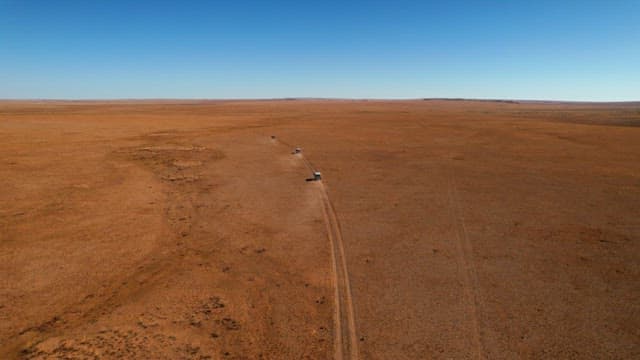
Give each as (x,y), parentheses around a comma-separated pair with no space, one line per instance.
(503,100)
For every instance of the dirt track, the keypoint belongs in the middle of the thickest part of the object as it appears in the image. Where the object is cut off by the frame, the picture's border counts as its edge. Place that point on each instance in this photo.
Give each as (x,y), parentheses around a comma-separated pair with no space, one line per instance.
(180,230)
(345,333)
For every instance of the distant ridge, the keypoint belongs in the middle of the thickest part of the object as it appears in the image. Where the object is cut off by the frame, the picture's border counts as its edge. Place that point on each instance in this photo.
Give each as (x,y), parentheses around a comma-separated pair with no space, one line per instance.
(463,99)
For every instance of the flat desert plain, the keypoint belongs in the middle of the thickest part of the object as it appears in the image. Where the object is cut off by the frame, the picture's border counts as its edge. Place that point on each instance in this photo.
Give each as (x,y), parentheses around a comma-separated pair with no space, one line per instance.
(440,229)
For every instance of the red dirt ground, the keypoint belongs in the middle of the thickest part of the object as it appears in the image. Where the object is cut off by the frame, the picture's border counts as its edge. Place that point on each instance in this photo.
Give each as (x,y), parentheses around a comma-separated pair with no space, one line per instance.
(441,229)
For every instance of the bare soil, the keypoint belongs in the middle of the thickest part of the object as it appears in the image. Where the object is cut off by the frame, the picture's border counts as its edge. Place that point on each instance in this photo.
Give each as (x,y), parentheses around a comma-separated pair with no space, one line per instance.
(440,229)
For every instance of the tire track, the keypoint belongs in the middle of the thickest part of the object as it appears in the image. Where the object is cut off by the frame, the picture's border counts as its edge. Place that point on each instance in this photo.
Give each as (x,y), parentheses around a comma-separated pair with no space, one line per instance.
(464,253)
(345,335)
(464,260)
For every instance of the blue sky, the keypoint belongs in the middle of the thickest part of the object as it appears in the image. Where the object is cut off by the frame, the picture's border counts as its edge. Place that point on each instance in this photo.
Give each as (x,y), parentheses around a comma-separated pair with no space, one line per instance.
(558,50)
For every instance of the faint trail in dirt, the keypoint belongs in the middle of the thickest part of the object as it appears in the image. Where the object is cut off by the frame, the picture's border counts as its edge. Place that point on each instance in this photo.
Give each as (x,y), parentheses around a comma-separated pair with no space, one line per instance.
(464,254)
(163,160)
(345,338)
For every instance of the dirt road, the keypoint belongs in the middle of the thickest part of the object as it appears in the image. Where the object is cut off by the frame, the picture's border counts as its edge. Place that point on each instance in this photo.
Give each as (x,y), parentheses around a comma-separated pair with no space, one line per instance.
(345,333)
(441,229)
